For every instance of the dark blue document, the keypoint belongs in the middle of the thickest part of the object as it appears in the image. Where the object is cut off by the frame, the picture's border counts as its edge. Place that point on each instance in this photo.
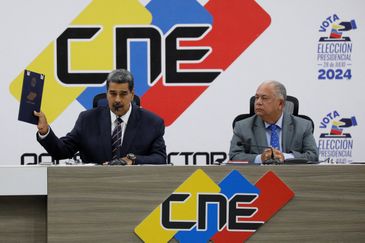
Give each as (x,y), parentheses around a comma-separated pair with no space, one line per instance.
(31,96)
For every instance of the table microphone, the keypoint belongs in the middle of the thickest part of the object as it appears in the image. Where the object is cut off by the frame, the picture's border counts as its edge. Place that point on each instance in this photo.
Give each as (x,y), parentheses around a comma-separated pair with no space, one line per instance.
(118,161)
(272,161)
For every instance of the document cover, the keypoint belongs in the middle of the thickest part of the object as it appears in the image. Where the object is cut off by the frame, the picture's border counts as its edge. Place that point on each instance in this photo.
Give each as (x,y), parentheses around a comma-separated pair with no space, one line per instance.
(31,96)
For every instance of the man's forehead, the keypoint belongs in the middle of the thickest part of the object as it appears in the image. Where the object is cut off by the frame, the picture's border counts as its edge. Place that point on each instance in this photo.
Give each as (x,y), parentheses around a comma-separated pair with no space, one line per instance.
(118,87)
(117,90)
(264,89)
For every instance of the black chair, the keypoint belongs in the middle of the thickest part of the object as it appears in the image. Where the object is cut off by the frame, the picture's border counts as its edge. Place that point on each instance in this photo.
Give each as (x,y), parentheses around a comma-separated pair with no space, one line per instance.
(100,100)
(291,106)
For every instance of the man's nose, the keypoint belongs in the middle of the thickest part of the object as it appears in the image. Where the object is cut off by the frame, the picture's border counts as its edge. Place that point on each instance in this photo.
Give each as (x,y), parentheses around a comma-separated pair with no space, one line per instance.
(118,98)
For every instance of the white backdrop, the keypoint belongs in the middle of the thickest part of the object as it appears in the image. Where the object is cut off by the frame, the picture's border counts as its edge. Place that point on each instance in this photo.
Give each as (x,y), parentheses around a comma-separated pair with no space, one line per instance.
(286,51)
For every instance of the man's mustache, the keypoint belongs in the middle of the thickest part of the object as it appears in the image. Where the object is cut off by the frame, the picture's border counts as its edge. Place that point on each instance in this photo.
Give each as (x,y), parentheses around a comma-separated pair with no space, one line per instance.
(117,106)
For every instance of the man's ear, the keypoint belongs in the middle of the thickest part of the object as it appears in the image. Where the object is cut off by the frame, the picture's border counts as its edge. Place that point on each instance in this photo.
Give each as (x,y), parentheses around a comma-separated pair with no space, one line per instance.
(282,103)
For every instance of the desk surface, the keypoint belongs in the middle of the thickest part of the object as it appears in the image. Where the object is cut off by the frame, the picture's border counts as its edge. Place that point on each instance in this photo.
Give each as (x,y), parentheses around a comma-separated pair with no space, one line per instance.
(23,180)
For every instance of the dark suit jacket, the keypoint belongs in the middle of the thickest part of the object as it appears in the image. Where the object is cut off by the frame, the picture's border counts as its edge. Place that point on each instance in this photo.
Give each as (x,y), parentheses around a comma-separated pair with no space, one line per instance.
(297,138)
(91,136)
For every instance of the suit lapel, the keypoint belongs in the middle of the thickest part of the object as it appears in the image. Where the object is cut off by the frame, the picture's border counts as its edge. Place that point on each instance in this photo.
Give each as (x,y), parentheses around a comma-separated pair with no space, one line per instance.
(287,132)
(105,131)
(130,130)
(260,133)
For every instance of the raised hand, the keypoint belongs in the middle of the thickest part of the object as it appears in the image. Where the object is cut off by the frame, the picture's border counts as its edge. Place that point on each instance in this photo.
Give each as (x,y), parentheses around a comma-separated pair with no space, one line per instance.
(42,122)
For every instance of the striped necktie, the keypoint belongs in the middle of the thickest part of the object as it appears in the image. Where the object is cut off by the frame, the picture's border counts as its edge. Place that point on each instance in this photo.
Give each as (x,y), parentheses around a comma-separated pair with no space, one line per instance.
(116,137)
(274,139)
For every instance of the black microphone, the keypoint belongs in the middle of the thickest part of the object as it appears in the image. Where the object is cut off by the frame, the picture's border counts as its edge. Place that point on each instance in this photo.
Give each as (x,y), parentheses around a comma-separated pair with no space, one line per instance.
(118,161)
(272,161)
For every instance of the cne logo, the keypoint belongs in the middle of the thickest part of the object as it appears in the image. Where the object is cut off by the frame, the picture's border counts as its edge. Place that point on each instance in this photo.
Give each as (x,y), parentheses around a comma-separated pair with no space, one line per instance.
(199,210)
(174,48)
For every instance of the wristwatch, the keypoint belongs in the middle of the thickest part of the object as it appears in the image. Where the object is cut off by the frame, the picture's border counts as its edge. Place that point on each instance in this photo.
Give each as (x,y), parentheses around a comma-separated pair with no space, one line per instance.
(132,157)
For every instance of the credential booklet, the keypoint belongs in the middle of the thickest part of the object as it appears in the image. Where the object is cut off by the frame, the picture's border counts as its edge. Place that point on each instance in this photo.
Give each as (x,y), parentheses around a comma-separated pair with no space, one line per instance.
(31,98)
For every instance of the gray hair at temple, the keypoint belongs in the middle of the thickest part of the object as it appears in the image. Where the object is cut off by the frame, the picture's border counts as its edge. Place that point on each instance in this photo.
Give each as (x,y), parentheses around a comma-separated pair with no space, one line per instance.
(120,76)
(279,88)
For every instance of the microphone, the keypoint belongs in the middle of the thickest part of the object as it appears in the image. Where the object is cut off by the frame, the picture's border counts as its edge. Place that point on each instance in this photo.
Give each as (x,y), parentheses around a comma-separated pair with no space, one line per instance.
(118,161)
(272,161)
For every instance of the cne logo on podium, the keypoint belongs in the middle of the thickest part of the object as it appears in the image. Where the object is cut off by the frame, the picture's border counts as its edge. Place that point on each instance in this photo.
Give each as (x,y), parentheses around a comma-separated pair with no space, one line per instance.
(199,210)
(174,48)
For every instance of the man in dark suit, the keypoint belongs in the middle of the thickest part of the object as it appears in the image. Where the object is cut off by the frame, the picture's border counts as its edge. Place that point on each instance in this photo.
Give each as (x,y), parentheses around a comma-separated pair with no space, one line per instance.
(292,136)
(122,131)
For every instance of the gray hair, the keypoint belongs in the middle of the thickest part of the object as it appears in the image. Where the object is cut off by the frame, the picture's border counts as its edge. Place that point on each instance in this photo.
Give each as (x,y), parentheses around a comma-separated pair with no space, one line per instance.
(280,89)
(120,76)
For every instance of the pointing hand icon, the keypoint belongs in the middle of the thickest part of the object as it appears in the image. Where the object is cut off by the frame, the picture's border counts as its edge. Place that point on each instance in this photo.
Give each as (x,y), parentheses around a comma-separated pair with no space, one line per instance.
(348,25)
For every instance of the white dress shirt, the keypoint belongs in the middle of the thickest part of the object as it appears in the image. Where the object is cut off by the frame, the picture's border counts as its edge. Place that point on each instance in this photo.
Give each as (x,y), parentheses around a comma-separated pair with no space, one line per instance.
(124,124)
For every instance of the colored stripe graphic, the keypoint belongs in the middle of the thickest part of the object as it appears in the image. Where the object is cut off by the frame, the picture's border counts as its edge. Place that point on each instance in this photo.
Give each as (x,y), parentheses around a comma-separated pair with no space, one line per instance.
(227,39)
(230,28)
(274,194)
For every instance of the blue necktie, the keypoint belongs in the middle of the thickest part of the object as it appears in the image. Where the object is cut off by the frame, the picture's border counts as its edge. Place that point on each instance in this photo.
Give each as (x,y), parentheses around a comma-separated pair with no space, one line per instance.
(116,137)
(274,140)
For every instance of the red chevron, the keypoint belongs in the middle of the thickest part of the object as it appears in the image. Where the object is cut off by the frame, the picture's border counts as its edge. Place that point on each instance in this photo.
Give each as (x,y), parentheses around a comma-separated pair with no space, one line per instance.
(274,194)
(236,25)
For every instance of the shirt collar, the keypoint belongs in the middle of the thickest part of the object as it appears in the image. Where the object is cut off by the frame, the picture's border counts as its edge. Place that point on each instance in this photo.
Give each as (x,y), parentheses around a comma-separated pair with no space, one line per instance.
(125,117)
(279,123)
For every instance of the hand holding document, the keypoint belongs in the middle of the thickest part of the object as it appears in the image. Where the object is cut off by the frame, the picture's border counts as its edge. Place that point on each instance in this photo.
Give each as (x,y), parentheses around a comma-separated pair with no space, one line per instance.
(31,98)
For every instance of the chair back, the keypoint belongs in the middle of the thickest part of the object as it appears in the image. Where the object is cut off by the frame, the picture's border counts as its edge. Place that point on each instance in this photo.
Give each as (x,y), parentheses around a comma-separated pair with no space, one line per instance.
(291,107)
